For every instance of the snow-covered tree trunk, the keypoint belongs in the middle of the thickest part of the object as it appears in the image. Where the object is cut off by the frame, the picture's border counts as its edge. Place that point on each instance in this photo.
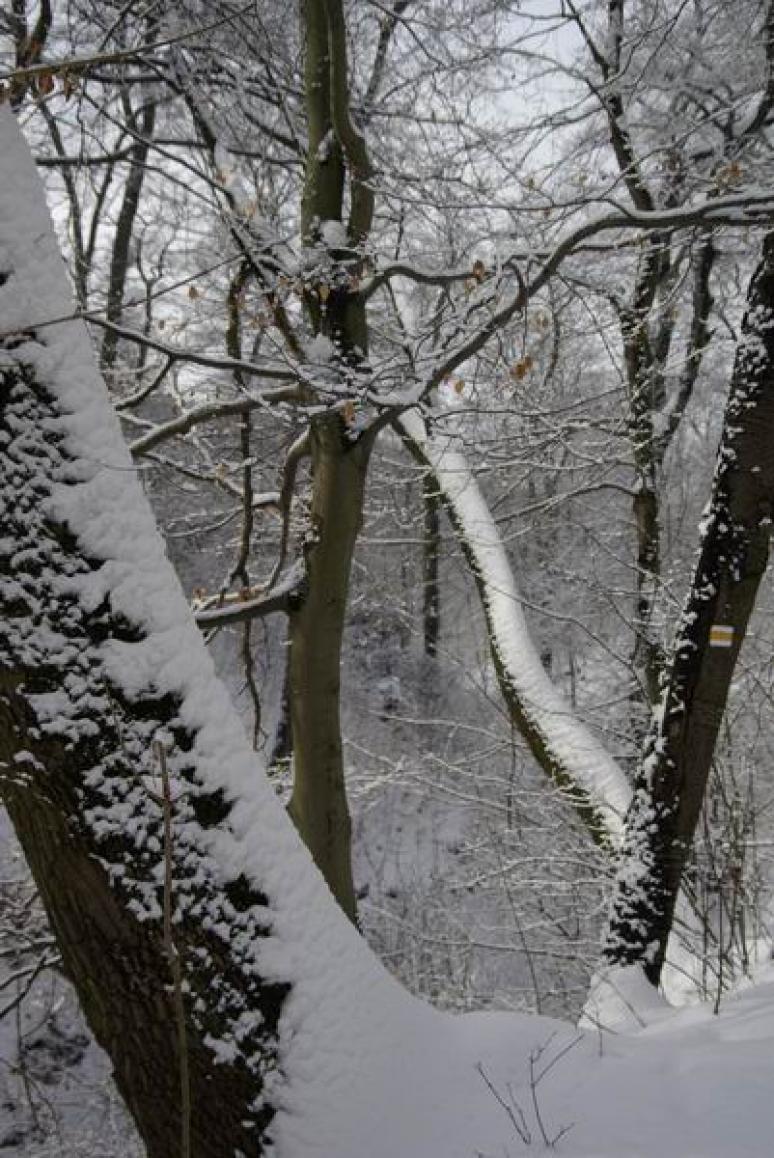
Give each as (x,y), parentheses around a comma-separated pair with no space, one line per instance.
(100,662)
(89,680)
(564,748)
(431,557)
(732,561)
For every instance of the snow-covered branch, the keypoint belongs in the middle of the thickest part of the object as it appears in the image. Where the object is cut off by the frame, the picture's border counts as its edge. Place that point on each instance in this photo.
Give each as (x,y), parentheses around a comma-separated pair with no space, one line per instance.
(254,604)
(562,745)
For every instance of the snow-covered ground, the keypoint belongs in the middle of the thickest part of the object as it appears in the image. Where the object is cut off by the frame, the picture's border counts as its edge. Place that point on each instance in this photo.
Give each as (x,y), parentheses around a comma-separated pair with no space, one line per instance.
(684,1084)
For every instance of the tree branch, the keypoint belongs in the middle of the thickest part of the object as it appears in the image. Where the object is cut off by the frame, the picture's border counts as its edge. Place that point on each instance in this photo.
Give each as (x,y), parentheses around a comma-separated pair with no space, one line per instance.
(562,746)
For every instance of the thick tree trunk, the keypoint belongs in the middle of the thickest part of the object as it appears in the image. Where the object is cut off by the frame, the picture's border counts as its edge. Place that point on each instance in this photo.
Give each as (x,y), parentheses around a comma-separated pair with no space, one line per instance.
(732,561)
(101,661)
(98,656)
(318,804)
(336,308)
(75,757)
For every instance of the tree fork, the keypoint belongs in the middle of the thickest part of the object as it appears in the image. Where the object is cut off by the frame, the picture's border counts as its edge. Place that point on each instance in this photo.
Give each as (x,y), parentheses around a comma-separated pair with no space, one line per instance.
(318,804)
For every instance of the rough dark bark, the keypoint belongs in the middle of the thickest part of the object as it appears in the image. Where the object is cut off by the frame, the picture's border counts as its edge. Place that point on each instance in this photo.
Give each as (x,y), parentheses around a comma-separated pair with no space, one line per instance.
(63,773)
(647,342)
(122,242)
(732,561)
(431,548)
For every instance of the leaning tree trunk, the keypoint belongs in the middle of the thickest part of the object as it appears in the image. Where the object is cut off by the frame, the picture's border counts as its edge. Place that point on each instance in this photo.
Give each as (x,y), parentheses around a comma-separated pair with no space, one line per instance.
(563,747)
(732,561)
(101,670)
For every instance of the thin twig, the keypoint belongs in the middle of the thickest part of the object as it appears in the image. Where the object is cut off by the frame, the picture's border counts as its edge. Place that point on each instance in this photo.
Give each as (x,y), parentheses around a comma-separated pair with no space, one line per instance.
(514,1111)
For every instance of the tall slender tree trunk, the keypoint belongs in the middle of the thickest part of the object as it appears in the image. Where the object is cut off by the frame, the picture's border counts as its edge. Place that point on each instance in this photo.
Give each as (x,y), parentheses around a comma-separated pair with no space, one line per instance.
(282,740)
(143,126)
(336,154)
(732,561)
(431,551)
(641,372)
(318,803)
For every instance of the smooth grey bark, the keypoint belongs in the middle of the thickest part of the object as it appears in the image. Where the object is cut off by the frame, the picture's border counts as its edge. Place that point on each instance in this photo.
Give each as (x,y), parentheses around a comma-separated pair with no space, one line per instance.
(339,456)
(318,805)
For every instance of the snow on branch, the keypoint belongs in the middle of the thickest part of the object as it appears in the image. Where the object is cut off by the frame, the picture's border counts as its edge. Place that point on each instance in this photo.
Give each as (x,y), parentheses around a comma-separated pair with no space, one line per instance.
(562,745)
(255,603)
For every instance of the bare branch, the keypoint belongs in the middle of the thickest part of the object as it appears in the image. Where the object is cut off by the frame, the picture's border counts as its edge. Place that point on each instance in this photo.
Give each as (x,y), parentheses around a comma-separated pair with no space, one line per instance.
(300,449)
(78,64)
(208,412)
(179,354)
(231,610)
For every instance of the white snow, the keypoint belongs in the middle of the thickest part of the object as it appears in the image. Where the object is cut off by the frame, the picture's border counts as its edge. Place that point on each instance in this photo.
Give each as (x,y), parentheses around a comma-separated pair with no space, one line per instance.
(334,234)
(368,1070)
(680,1084)
(320,350)
(579,755)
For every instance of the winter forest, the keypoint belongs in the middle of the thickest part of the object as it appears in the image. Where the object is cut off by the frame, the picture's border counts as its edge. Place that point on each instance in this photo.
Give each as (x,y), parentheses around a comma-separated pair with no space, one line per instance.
(386,638)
